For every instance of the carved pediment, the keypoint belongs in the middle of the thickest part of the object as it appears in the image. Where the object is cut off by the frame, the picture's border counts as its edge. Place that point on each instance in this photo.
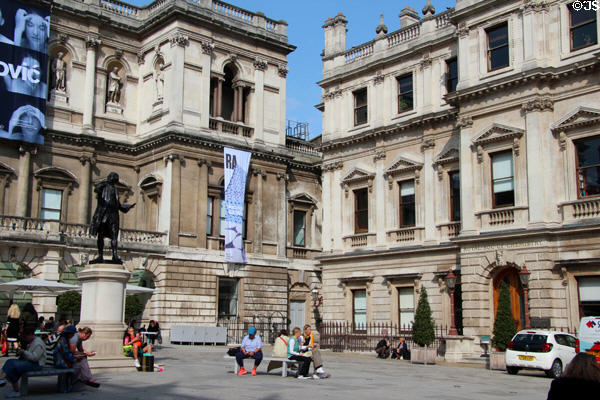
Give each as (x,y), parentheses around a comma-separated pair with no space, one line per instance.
(303,198)
(56,174)
(357,175)
(7,170)
(578,118)
(447,156)
(402,164)
(497,133)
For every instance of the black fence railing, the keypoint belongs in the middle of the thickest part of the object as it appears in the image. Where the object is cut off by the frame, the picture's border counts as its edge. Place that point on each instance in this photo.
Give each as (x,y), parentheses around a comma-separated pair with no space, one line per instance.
(267,327)
(345,336)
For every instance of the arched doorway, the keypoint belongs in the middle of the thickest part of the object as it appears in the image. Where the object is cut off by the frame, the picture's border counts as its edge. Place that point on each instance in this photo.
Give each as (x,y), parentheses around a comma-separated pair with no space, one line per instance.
(510,276)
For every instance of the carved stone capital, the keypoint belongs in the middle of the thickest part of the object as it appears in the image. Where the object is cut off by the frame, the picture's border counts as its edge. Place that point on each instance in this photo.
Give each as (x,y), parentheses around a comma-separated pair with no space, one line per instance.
(88,159)
(179,39)
(260,65)
(118,53)
(464,122)
(63,38)
(379,78)
(92,42)
(262,173)
(538,104)
(172,157)
(141,57)
(26,149)
(282,70)
(534,6)
(379,155)
(203,161)
(462,30)
(332,166)
(281,176)
(480,153)
(427,144)
(425,62)
(562,141)
(207,47)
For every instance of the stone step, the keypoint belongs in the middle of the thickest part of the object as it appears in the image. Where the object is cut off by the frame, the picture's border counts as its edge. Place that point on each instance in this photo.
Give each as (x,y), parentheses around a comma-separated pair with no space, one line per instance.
(110,364)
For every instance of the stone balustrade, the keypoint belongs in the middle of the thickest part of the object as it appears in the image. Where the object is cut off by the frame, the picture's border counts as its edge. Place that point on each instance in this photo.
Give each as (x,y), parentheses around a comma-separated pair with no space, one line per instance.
(359,52)
(302,252)
(586,208)
(233,128)
(449,230)
(443,19)
(503,218)
(118,7)
(301,146)
(359,240)
(408,235)
(402,35)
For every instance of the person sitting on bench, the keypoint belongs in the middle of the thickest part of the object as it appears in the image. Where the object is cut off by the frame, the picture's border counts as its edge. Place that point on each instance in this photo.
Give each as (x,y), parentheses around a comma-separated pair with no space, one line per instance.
(135,341)
(294,353)
(31,359)
(82,373)
(251,348)
(311,340)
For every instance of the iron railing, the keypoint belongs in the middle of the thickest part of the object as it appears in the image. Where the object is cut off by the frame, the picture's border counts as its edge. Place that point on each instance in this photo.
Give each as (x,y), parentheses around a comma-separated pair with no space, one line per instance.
(267,327)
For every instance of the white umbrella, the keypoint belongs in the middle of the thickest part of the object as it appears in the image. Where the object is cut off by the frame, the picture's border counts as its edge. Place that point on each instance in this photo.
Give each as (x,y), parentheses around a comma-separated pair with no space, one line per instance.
(133,289)
(32,285)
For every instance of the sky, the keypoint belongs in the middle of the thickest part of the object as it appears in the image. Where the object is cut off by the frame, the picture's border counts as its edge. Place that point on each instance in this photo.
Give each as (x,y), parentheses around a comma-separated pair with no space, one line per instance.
(305,19)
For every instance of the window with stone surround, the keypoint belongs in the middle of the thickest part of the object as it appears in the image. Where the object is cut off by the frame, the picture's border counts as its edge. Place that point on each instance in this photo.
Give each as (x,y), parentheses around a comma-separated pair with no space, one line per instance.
(588,166)
(497,46)
(209,215)
(359,309)
(583,29)
(406,307)
(503,185)
(51,204)
(360,107)
(299,228)
(589,296)
(407,203)
(451,75)
(228,297)
(454,178)
(405,93)
(361,210)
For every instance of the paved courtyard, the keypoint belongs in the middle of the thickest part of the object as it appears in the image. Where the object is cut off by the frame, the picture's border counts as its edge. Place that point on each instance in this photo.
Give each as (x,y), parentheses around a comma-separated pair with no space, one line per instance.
(202,373)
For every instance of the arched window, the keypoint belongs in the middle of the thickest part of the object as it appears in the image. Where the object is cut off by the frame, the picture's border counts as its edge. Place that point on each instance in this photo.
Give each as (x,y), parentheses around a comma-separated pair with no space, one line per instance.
(229,96)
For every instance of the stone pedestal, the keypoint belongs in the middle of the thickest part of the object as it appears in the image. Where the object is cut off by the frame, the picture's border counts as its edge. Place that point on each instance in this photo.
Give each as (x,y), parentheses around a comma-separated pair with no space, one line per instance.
(459,348)
(114,108)
(59,97)
(102,306)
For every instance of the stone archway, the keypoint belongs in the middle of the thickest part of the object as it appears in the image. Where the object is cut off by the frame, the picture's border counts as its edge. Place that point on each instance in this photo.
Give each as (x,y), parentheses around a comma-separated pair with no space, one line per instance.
(510,275)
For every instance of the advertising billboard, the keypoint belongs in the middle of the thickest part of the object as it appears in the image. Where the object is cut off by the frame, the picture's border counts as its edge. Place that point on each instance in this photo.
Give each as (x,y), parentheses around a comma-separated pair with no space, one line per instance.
(236,164)
(24,33)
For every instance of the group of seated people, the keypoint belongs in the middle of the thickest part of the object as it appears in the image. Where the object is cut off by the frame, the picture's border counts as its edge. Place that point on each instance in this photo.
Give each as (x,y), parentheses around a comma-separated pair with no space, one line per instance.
(384,349)
(133,343)
(301,346)
(62,349)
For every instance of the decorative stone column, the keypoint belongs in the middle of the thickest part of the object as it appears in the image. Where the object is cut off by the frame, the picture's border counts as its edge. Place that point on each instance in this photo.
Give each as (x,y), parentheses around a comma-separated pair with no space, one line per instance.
(463,56)
(465,124)
(380,207)
(258,210)
(48,270)
(102,308)
(176,80)
(207,49)
(425,69)
(24,180)
(281,216)
(203,166)
(327,206)
(428,190)
(91,44)
(260,67)
(282,71)
(84,195)
(176,160)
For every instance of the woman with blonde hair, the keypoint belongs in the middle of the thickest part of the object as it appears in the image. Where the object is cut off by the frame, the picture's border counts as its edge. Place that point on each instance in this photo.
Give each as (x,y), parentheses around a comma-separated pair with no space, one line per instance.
(14,321)
(582,376)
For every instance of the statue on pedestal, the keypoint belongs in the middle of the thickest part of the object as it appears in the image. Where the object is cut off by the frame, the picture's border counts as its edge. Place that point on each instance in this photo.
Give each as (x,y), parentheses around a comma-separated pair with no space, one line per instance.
(114,86)
(159,81)
(59,68)
(105,222)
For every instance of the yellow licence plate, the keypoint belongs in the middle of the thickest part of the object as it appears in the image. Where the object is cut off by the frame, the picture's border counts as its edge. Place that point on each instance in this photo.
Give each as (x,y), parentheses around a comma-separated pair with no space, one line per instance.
(526,358)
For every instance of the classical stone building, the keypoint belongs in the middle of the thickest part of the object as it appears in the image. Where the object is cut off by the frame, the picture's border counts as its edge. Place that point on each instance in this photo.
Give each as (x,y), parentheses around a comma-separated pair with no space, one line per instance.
(154,94)
(466,141)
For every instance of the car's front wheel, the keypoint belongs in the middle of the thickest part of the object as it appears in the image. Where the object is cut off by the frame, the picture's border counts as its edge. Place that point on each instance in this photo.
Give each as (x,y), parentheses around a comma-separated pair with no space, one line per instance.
(512,370)
(555,370)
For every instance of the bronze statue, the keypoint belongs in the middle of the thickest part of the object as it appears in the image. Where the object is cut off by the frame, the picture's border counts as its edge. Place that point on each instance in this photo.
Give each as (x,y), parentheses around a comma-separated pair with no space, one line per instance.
(105,222)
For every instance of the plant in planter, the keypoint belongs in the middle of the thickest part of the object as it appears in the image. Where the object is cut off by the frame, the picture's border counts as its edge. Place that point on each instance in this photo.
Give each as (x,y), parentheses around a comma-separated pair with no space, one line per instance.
(423,332)
(504,329)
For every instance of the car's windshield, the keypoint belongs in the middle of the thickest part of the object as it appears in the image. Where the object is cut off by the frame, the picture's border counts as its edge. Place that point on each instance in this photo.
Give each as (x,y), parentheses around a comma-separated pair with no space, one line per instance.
(529,342)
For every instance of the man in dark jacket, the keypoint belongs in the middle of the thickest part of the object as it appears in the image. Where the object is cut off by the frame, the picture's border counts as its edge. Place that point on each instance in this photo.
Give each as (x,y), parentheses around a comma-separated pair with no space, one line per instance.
(383,348)
(105,222)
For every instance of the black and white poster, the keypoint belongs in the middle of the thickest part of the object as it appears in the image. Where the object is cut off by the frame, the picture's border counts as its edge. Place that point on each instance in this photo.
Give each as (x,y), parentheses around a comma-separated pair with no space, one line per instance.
(24,33)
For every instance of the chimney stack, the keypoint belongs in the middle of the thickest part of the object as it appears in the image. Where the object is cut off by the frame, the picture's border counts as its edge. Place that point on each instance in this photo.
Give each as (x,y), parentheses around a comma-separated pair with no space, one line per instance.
(408,16)
(335,35)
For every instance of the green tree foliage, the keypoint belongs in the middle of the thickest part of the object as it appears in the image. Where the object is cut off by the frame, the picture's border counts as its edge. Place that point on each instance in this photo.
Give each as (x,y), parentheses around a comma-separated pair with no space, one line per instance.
(423,328)
(69,304)
(133,306)
(504,325)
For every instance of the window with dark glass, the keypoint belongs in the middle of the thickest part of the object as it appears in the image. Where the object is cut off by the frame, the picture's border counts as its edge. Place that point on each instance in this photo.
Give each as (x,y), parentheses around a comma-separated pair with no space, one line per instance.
(209,215)
(228,297)
(503,179)
(359,309)
(583,28)
(299,227)
(497,47)
(407,203)
(454,195)
(451,75)
(361,210)
(405,93)
(360,106)
(589,295)
(588,166)
(51,204)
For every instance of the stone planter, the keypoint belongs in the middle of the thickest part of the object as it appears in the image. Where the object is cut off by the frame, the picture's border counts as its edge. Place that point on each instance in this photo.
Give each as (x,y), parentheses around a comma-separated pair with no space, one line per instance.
(423,355)
(498,360)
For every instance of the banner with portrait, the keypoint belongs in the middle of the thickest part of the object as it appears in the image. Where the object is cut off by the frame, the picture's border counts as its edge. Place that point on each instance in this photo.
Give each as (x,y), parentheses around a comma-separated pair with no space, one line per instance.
(236,164)
(24,33)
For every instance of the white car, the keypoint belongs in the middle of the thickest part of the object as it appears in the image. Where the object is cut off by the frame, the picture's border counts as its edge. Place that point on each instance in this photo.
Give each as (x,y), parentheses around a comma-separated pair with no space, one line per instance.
(549,351)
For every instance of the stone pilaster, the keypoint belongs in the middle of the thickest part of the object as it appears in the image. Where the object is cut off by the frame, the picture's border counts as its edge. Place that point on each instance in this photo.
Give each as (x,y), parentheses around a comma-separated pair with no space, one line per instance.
(463,56)
(176,80)
(175,160)
(207,50)
(260,67)
(90,82)
(465,124)
(282,216)
(24,180)
(84,188)
(49,271)
(380,208)
(327,239)
(282,72)
(201,232)
(258,210)
(427,148)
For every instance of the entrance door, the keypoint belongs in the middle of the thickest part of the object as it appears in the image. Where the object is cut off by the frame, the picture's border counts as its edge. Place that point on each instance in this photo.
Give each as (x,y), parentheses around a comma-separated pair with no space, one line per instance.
(297,314)
(517,303)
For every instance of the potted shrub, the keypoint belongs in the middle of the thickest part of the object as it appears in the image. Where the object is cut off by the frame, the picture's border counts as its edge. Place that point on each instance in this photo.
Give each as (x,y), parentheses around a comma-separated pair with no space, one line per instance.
(504,329)
(423,330)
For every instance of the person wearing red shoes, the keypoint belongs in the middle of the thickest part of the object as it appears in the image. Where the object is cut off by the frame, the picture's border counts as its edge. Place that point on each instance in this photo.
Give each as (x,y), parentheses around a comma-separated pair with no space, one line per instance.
(251,348)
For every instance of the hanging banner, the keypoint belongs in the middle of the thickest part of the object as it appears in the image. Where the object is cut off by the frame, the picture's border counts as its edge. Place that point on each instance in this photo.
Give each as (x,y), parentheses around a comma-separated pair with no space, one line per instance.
(236,164)
(24,33)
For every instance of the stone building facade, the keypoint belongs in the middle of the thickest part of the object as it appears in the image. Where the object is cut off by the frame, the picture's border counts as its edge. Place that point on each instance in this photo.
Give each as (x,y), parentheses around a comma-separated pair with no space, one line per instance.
(468,141)
(154,94)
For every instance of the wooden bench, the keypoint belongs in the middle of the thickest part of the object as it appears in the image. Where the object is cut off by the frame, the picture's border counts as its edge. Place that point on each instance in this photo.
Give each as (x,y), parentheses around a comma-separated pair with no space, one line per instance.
(285,362)
(64,378)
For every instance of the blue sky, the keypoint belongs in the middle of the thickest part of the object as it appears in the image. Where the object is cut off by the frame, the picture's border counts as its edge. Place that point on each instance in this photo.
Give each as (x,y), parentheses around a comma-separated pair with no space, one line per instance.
(304,31)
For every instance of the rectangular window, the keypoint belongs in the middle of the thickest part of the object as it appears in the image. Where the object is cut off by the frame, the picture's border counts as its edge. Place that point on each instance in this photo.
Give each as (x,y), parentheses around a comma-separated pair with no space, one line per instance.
(299,227)
(407,203)
(51,204)
(406,305)
(209,215)
(583,28)
(589,296)
(360,107)
(503,179)
(454,177)
(451,75)
(588,166)
(228,297)
(222,218)
(497,47)
(361,210)
(359,310)
(405,93)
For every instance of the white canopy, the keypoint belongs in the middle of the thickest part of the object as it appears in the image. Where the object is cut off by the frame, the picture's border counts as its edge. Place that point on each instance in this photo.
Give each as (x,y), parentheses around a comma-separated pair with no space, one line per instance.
(32,285)
(133,289)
